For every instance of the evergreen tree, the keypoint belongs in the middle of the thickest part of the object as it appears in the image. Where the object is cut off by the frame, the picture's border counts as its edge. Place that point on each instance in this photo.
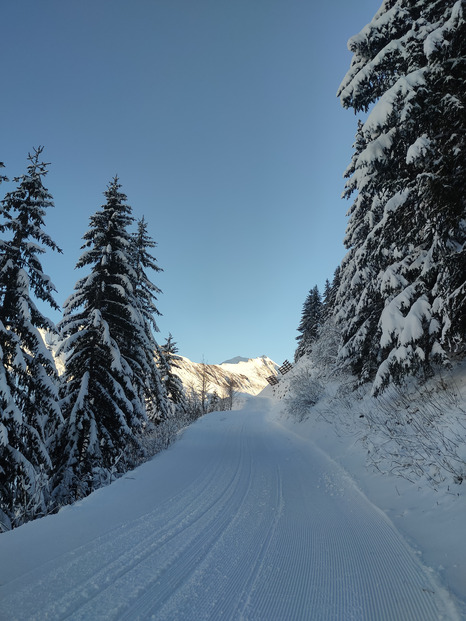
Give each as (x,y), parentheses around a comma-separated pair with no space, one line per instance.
(438,162)
(100,398)
(310,322)
(143,260)
(215,403)
(400,304)
(173,385)
(29,412)
(144,348)
(326,299)
(330,294)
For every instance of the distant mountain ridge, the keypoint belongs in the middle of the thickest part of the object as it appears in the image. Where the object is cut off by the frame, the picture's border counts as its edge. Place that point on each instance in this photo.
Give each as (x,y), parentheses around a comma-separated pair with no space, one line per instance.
(235,360)
(249,374)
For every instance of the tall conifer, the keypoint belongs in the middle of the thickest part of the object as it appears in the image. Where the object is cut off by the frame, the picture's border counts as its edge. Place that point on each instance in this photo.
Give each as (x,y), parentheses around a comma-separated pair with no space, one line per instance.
(144,348)
(29,412)
(100,398)
(310,322)
(401,302)
(168,359)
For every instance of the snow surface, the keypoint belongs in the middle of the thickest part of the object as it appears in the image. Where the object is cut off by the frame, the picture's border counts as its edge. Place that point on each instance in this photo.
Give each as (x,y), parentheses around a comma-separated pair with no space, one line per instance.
(240,519)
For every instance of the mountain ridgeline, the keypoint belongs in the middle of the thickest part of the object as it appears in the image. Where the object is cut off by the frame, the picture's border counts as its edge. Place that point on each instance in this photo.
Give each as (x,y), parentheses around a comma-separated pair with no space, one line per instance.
(248,375)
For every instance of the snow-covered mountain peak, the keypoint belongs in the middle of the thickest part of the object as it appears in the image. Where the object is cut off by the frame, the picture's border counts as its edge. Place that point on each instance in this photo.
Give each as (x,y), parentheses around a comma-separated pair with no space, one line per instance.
(249,374)
(235,360)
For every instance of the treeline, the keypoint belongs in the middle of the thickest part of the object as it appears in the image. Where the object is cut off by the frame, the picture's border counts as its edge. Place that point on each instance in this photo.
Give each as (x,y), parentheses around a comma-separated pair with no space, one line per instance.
(62,437)
(397,304)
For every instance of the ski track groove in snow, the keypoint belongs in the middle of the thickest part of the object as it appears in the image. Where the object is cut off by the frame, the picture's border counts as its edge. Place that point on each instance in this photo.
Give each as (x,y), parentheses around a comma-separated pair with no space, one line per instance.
(262,526)
(217,521)
(112,565)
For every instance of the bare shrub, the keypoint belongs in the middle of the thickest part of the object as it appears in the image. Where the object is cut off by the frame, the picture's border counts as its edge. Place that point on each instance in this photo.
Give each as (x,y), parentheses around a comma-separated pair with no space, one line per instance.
(305,391)
(418,431)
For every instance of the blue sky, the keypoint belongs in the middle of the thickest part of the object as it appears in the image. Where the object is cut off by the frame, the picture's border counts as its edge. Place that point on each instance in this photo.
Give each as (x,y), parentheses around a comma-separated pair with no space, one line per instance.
(221,120)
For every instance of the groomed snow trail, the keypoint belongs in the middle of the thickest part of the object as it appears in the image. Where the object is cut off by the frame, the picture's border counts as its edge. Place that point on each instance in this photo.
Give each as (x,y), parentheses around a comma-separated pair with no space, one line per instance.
(239,520)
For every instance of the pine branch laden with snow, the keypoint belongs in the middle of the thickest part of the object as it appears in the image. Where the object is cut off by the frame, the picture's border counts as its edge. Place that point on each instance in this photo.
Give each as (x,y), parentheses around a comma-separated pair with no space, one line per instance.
(401,300)
(29,411)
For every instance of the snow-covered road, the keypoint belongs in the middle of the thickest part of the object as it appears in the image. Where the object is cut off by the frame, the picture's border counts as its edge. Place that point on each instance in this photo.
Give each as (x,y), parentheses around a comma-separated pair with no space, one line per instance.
(240,519)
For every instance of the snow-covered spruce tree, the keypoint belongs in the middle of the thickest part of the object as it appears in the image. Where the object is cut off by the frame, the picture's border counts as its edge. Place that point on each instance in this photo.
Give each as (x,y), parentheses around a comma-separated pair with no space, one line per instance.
(326,299)
(101,402)
(438,158)
(173,385)
(329,296)
(29,411)
(401,301)
(144,349)
(310,322)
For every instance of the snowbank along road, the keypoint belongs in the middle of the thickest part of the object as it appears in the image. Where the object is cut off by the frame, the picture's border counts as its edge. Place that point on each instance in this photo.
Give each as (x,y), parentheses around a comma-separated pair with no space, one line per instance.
(240,519)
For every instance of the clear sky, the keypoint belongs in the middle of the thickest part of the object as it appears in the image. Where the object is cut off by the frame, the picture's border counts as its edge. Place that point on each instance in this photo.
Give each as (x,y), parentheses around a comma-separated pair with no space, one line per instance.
(221,119)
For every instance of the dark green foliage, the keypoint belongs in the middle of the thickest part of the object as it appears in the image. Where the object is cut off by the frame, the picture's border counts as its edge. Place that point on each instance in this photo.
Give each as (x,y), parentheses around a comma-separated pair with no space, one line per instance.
(330,294)
(29,412)
(100,398)
(143,348)
(401,301)
(173,385)
(311,320)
